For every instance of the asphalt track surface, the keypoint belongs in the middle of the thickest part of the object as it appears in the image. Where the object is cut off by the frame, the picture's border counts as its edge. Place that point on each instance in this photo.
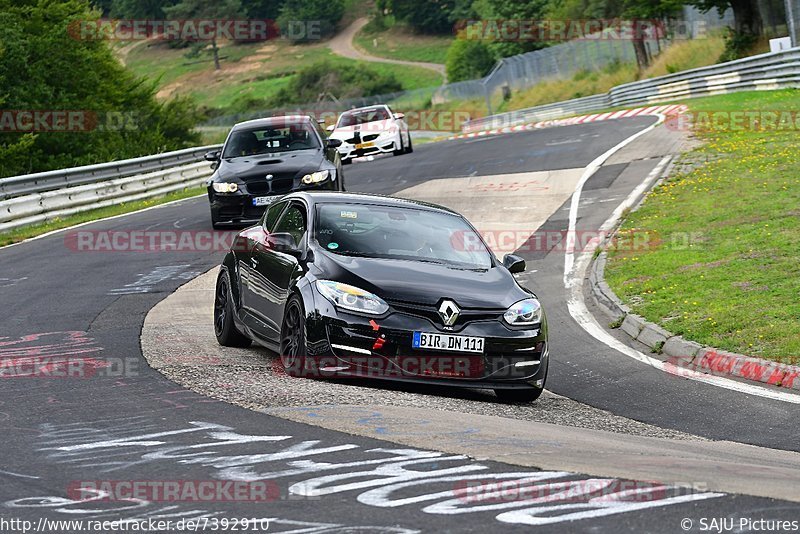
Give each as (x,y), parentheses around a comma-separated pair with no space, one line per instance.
(127,422)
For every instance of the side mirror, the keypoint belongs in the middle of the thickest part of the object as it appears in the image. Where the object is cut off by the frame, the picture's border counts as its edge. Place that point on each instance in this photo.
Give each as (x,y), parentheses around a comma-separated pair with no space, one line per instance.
(283,242)
(399,116)
(214,155)
(514,264)
(334,143)
(331,128)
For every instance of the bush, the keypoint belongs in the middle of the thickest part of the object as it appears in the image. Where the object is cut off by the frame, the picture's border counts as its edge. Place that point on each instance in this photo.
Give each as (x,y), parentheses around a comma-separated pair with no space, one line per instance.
(326,77)
(298,15)
(737,45)
(468,60)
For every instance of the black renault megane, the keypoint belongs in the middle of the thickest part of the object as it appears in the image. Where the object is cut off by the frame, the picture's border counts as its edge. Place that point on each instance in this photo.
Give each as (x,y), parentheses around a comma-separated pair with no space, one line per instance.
(264,159)
(348,285)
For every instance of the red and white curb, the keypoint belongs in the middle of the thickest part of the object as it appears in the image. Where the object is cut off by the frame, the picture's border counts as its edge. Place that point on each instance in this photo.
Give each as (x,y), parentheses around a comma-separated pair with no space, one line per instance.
(670,110)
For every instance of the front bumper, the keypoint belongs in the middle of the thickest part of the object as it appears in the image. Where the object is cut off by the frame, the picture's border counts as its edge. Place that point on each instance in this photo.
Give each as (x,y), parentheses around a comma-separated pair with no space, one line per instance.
(348,151)
(238,208)
(348,345)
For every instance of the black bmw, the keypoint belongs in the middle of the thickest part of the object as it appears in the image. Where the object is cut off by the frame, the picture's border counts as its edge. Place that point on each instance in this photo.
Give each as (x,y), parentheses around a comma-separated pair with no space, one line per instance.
(366,286)
(266,158)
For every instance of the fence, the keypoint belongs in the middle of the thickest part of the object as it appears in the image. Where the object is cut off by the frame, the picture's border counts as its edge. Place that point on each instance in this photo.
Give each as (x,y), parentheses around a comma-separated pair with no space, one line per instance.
(766,71)
(37,198)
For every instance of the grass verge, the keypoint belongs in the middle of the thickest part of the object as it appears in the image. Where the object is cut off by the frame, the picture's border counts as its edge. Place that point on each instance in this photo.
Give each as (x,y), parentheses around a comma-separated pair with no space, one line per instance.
(397,42)
(27,232)
(723,268)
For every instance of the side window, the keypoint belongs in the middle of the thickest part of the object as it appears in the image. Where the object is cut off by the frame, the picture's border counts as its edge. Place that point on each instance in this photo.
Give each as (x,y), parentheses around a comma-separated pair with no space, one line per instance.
(271,215)
(293,222)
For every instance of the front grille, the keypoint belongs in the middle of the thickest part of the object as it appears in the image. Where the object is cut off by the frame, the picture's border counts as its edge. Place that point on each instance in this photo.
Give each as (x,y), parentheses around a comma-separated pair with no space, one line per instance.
(431,313)
(371,137)
(280,183)
(258,188)
(282,186)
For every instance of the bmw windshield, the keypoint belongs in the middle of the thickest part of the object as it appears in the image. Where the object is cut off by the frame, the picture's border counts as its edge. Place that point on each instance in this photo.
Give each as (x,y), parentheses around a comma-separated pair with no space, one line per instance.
(269,139)
(352,118)
(390,232)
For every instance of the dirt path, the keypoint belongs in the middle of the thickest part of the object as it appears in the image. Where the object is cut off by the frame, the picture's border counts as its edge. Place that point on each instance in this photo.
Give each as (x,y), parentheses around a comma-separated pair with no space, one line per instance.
(342,45)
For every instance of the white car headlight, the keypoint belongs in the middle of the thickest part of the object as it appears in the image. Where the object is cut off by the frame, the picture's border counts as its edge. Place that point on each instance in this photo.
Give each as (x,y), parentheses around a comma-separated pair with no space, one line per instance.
(225,187)
(524,313)
(317,177)
(351,298)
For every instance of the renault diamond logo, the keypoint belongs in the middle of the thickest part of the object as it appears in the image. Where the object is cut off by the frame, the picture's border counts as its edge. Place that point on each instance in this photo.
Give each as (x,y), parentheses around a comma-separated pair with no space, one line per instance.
(449,312)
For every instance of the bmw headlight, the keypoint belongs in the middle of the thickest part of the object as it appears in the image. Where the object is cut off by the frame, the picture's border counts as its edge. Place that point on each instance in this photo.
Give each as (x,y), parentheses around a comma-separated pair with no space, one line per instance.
(351,298)
(225,187)
(524,313)
(316,177)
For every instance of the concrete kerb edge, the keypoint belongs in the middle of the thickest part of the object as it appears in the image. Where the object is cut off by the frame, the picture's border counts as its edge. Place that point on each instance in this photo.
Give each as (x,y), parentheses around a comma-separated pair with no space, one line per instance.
(675,349)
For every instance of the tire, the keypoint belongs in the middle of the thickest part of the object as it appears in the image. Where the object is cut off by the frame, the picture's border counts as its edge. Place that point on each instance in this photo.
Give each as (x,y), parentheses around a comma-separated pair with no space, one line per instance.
(293,338)
(400,151)
(224,327)
(410,147)
(518,395)
(347,162)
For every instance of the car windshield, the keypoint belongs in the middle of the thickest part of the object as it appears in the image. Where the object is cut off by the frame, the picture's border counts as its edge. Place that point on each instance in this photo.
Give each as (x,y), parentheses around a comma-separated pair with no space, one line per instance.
(363,116)
(269,139)
(376,231)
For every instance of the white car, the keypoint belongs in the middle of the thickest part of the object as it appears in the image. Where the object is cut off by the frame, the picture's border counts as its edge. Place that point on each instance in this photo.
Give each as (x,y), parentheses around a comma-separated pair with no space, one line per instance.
(369,131)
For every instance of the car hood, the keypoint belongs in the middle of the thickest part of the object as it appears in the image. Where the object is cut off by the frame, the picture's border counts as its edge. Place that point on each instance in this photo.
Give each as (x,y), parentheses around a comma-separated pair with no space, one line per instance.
(284,163)
(374,127)
(422,283)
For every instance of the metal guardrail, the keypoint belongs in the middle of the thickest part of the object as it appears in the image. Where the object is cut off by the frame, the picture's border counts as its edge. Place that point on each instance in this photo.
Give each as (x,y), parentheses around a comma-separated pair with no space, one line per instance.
(89,174)
(41,207)
(774,70)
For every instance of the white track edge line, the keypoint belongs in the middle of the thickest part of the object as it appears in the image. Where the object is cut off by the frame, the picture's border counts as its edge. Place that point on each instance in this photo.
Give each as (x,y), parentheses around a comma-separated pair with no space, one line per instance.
(574,285)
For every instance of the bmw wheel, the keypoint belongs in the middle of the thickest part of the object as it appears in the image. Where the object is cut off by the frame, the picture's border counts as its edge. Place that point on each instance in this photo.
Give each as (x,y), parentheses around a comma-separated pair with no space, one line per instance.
(224,327)
(293,338)
(410,147)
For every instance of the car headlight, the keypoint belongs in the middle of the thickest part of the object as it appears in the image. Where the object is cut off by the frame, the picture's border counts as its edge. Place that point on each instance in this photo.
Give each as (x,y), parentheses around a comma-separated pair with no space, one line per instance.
(351,298)
(524,313)
(316,177)
(225,187)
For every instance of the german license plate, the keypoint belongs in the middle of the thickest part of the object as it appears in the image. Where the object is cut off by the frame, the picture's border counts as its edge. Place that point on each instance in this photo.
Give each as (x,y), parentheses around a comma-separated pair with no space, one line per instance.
(364,145)
(262,201)
(423,340)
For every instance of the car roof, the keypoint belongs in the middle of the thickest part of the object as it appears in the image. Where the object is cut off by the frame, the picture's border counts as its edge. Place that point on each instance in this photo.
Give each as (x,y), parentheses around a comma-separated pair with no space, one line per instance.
(365,108)
(324,197)
(270,121)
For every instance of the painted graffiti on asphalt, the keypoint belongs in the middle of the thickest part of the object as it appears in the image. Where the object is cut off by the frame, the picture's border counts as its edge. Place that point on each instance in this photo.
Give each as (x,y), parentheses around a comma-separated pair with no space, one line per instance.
(384,477)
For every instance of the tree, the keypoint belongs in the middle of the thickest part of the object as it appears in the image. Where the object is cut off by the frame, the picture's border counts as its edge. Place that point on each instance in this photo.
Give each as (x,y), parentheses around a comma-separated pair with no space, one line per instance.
(511,10)
(644,15)
(468,60)
(425,16)
(139,9)
(45,67)
(322,14)
(207,10)
(746,15)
